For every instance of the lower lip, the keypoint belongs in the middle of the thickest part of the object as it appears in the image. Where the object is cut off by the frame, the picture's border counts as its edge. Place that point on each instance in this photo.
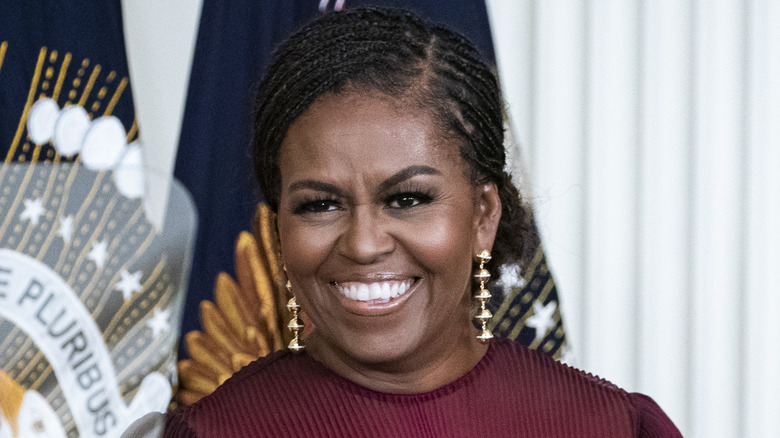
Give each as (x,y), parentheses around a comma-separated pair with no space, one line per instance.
(376,307)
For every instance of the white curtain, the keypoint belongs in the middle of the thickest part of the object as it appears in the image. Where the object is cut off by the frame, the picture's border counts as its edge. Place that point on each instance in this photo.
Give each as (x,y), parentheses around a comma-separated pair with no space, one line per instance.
(650,134)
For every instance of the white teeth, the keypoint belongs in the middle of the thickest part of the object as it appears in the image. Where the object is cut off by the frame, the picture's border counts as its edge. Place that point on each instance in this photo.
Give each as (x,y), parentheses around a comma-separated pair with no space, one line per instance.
(394,289)
(362,293)
(374,291)
(383,290)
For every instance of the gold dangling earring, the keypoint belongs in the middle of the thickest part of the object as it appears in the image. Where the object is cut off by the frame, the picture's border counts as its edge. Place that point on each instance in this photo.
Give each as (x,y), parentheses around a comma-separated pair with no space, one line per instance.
(483,295)
(295,325)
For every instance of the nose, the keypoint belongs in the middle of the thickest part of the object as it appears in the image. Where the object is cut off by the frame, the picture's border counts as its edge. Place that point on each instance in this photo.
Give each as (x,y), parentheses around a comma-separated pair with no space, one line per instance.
(366,238)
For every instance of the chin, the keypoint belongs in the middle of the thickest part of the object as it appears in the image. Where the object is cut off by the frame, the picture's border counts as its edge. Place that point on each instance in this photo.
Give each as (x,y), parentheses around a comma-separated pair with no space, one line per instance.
(381,350)
(381,353)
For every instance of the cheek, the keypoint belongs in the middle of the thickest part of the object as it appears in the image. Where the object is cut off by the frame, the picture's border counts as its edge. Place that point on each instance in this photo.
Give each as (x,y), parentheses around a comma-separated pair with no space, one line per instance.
(444,245)
(303,249)
(298,258)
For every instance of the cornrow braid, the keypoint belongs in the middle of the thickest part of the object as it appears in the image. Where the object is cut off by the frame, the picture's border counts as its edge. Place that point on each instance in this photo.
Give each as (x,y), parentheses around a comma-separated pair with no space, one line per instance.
(396,53)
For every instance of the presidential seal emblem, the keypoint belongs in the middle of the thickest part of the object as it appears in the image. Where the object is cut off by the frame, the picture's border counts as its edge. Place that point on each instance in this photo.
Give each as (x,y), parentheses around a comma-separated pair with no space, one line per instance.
(91,278)
(90,296)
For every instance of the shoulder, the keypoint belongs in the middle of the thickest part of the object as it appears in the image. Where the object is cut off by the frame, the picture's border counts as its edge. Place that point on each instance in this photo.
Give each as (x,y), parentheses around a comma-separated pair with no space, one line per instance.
(553,389)
(262,368)
(259,387)
(653,422)
(513,358)
(265,378)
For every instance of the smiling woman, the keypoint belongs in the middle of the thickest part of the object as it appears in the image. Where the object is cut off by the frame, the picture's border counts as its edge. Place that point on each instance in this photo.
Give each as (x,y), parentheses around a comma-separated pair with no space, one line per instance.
(379,144)
(382,202)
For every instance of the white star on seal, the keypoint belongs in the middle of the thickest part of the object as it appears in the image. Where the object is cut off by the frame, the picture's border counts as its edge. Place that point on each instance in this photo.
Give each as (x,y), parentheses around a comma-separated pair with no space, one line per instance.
(159,321)
(129,283)
(66,228)
(33,210)
(542,319)
(98,253)
(510,277)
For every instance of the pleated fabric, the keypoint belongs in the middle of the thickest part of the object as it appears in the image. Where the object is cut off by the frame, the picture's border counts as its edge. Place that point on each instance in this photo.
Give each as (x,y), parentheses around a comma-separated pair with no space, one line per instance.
(513,391)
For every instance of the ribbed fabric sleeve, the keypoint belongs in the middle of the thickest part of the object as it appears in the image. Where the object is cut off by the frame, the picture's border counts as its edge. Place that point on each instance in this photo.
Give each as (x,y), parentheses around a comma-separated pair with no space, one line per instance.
(512,391)
(652,421)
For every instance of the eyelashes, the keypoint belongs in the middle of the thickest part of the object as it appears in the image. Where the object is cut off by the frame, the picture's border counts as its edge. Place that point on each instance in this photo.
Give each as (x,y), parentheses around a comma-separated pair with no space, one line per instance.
(407,197)
(410,198)
(316,204)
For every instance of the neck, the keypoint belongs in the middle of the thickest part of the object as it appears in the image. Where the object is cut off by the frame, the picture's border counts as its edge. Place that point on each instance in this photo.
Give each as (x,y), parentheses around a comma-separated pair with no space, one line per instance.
(440,364)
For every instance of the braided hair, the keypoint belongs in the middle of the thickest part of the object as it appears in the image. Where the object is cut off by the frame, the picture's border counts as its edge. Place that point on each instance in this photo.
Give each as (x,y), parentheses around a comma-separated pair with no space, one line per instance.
(396,53)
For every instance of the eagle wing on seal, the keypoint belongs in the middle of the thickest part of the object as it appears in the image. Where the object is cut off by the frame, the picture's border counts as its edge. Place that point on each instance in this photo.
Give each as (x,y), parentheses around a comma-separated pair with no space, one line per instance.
(246,319)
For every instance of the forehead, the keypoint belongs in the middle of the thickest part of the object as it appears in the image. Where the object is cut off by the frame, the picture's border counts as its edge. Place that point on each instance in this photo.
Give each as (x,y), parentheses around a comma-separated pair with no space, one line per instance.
(352,132)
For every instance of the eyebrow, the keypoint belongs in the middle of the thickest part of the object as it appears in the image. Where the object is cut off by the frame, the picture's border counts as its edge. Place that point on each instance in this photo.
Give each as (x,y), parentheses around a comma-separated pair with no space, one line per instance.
(404,174)
(393,180)
(316,185)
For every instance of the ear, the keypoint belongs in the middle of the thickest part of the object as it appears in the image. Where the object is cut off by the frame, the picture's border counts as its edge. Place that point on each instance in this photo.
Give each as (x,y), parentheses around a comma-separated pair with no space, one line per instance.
(487,217)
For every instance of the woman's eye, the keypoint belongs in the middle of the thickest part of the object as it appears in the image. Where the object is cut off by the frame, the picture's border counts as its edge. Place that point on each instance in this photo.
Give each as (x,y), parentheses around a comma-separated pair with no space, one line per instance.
(317,206)
(408,200)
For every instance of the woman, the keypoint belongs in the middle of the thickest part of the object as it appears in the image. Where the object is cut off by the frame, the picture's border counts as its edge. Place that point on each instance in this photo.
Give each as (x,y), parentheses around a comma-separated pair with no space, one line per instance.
(379,143)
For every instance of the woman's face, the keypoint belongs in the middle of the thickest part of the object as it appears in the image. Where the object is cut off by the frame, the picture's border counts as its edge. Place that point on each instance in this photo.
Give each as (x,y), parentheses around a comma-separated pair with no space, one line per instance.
(378,222)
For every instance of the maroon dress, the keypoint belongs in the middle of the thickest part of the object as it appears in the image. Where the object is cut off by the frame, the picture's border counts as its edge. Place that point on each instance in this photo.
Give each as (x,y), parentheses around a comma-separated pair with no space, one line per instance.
(513,391)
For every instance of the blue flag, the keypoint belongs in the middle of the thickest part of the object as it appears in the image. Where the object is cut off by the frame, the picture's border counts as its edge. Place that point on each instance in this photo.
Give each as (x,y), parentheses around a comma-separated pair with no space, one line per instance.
(234,45)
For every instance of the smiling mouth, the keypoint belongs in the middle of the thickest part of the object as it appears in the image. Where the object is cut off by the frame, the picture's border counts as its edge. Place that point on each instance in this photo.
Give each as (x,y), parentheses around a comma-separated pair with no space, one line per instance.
(379,291)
